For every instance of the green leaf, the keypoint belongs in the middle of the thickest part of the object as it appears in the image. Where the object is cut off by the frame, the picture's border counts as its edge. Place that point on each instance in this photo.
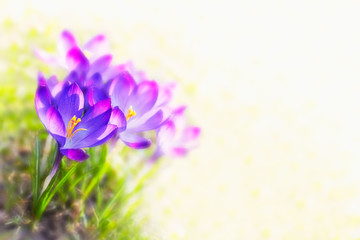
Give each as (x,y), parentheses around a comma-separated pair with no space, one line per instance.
(36,173)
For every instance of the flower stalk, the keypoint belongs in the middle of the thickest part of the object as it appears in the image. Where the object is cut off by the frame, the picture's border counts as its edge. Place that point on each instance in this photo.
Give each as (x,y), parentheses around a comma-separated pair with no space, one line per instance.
(54,169)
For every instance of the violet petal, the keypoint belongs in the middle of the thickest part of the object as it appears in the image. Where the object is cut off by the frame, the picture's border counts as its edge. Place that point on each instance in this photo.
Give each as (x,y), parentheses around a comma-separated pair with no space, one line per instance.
(100,65)
(120,89)
(135,141)
(42,102)
(150,121)
(75,154)
(143,97)
(55,125)
(95,138)
(76,60)
(66,42)
(71,102)
(118,118)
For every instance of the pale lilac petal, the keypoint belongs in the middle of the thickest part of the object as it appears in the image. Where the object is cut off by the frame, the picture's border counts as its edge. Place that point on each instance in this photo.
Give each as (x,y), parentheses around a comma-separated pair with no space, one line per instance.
(179,111)
(76,60)
(139,76)
(135,141)
(113,71)
(190,134)
(120,89)
(97,46)
(150,121)
(178,117)
(165,134)
(143,97)
(66,42)
(46,57)
(55,125)
(165,94)
(71,102)
(179,151)
(75,154)
(118,118)
(100,65)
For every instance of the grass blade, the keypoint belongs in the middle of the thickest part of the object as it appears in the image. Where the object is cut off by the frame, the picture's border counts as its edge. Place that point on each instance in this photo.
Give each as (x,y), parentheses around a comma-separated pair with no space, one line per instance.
(36,173)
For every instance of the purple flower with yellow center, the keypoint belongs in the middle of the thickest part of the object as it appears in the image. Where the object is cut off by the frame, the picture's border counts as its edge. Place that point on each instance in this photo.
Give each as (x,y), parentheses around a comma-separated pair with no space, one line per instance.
(175,138)
(138,103)
(61,110)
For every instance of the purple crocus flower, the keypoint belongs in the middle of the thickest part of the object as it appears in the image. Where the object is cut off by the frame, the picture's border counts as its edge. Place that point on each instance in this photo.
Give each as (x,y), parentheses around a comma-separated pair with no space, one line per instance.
(61,110)
(174,137)
(72,56)
(138,103)
(87,64)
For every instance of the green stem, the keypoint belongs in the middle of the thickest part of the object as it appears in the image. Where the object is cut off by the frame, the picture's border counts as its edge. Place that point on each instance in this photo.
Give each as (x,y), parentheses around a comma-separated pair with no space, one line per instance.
(57,161)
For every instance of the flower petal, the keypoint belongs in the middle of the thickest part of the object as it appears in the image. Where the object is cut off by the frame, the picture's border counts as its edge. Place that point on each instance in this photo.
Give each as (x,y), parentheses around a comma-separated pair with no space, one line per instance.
(95,81)
(46,57)
(96,110)
(42,102)
(95,118)
(179,111)
(134,141)
(120,89)
(165,94)
(75,154)
(113,71)
(58,90)
(143,97)
(66,42)
(76,60)
(95,95)
(97,46)
(118,118)
(52,82)
(190,134)
(165,134)
(71,102)
(100,65)
(95,138)
(179,151)
(55,125)
(149,121)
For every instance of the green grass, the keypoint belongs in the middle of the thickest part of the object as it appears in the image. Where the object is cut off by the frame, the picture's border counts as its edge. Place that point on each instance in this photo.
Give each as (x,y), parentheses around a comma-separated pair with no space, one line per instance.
(90,199)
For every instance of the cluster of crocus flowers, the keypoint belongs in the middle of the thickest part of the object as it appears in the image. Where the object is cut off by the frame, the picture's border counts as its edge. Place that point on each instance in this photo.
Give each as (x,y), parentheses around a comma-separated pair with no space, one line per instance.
(98,101)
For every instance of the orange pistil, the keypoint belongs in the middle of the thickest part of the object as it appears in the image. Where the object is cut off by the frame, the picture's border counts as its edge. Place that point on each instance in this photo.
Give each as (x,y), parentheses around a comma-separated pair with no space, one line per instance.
(130,113)
(70,127)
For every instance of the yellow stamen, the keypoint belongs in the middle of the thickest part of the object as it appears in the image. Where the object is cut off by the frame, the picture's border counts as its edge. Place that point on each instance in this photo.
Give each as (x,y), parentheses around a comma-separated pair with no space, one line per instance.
(130,113)
(71,125)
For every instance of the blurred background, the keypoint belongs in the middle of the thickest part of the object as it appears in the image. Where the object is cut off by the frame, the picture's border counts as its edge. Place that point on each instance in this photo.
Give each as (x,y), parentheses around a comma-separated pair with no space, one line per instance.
(274,85)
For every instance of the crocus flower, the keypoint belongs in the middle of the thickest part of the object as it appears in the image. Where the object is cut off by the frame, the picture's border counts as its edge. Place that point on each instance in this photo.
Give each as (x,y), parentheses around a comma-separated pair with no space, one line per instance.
(61,110)
(138,103)
(70,54)
(174,137)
